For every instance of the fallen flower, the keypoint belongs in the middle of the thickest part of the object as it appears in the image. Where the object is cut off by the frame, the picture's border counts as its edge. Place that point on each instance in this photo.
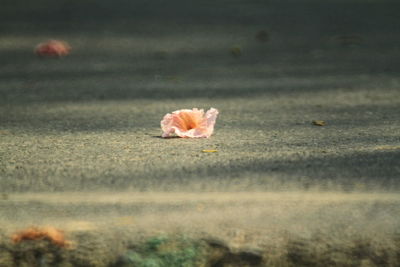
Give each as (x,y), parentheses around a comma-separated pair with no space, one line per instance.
(189,123)
(46,233)
(52,48)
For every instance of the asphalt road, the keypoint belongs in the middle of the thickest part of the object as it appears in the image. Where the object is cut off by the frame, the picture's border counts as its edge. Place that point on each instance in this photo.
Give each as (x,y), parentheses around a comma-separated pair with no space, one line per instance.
(89,122)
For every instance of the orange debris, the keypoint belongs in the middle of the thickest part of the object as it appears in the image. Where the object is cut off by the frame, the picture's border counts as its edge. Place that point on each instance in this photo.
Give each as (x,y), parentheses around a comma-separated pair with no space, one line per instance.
(45,233)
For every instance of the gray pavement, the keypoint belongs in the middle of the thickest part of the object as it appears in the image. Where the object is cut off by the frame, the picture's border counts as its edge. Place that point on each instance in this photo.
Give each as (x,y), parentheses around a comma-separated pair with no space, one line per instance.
(89,122)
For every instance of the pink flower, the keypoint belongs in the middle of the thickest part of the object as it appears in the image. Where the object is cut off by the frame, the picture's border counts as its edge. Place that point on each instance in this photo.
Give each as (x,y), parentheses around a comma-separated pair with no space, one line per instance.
(52,48)
(189,123)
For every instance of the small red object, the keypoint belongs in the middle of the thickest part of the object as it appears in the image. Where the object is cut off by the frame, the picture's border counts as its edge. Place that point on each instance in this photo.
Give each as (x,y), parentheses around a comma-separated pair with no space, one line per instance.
(53,48)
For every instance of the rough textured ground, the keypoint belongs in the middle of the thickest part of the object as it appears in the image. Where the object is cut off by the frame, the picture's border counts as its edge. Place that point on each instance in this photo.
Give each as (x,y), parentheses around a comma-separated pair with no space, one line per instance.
(79,134)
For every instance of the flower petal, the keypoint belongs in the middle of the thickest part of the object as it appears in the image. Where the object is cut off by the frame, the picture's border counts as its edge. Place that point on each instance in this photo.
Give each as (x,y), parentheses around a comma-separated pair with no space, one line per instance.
(166,125)
(211,116)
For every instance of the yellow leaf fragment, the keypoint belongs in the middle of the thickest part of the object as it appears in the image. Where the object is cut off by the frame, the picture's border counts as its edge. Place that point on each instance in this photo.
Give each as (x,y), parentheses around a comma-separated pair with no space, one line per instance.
(387,147)
(319,123)
(209,150)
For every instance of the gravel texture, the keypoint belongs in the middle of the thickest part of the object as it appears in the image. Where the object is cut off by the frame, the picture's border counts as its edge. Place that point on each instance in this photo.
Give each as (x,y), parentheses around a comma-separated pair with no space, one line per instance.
(86,126)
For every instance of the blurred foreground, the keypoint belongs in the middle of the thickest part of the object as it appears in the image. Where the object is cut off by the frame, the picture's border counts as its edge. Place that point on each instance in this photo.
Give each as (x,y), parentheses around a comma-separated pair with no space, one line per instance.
(207,229)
